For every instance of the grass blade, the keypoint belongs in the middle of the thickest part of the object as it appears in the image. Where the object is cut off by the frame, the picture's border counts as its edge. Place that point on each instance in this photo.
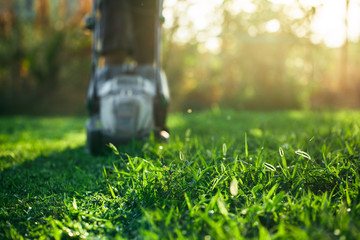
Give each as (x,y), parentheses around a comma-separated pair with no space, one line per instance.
(188,202)
(303,154)
(234,189)
(224,149)
(111,191)
(113,148)
(74,204)
(270,167)
(246,147)
(222,205)
(272,190)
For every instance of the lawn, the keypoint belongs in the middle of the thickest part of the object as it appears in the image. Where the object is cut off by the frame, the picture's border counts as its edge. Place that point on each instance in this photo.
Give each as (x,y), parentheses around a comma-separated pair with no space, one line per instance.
(224,174)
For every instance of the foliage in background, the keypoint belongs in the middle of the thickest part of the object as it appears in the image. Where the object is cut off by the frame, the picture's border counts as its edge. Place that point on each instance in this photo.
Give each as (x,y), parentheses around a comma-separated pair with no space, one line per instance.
(45,60)
(255,68)
(44,57)
(224,174)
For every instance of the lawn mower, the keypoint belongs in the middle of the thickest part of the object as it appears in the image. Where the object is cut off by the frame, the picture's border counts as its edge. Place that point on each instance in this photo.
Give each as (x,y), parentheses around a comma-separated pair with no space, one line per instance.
(127,100)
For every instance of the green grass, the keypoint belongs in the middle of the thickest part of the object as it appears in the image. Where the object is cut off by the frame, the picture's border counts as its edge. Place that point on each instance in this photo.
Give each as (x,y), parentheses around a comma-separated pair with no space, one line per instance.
(224,174)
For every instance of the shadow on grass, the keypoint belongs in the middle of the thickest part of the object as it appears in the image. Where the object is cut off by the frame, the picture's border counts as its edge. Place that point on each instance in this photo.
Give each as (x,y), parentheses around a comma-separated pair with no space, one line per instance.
(35,190)
(62,172)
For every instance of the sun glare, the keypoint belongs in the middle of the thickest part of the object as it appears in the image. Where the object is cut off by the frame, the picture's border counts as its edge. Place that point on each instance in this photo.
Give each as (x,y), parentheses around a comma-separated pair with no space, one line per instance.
(202,20)
(329,23)
(273,25)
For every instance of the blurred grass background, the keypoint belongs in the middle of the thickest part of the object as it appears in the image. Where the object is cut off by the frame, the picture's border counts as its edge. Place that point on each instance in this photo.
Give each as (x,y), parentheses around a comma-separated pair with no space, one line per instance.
(260,59)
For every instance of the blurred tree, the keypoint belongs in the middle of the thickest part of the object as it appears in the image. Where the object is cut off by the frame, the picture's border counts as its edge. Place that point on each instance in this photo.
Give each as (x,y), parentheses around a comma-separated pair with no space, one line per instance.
(7,17)
(343,78)
(29,6)
(71,13)
(42,14)
(258,51)
(63,10)
(11,51)
(38,59)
